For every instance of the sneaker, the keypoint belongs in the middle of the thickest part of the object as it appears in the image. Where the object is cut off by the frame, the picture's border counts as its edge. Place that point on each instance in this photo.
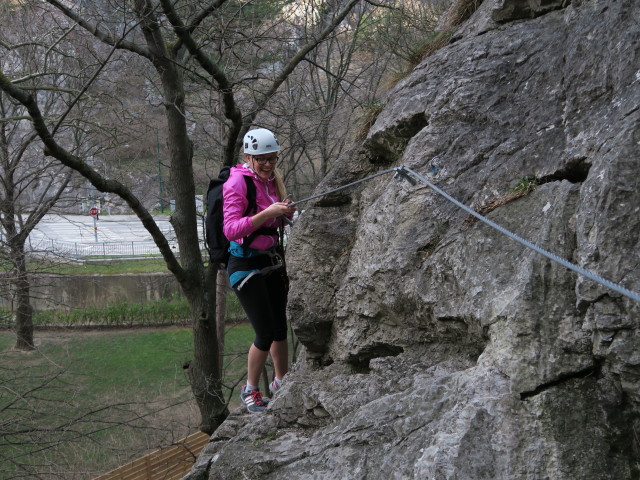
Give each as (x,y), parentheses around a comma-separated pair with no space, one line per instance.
(253,400)
(274,387)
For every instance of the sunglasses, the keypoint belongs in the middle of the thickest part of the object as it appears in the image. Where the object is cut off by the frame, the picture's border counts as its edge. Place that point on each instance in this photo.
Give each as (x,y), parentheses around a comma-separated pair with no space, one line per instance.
(262,160)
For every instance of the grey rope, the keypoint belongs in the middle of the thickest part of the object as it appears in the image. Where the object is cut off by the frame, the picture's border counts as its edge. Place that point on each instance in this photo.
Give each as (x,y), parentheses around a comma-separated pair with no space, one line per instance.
(526,243)
(345,186)
(405,172)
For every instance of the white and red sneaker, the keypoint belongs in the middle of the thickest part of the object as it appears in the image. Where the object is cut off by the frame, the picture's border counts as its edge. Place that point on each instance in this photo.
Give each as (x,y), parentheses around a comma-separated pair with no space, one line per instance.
(253,400)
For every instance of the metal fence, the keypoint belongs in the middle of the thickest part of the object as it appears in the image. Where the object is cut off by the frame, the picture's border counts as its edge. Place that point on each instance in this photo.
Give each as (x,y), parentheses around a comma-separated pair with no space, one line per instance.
(47,246)
(85,250)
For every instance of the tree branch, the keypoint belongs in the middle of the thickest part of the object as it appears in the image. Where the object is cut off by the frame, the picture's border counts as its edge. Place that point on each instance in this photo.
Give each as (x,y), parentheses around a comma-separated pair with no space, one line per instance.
(14,119)
(52,148)
(296,59)
(198,19)
(33,76)
(43,207)
(84,88)
(100,34)
(231,110)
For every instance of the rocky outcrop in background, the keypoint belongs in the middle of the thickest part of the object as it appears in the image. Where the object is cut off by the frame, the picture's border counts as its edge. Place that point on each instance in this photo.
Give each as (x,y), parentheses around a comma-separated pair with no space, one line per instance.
(436,347)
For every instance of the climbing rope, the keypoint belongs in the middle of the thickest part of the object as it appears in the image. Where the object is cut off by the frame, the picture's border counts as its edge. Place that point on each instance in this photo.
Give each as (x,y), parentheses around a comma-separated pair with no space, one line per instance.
(407,174)
(323,194)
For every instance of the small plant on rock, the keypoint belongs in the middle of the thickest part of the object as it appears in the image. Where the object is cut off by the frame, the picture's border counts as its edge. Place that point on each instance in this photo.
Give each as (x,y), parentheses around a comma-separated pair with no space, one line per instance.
(524,186)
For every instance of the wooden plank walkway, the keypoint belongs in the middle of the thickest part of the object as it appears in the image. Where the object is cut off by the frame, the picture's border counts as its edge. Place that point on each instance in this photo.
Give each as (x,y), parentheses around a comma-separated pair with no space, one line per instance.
(170,463)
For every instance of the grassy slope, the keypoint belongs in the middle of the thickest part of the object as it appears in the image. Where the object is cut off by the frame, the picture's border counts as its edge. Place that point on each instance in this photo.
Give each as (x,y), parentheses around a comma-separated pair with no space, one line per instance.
(151,265)
(129,385)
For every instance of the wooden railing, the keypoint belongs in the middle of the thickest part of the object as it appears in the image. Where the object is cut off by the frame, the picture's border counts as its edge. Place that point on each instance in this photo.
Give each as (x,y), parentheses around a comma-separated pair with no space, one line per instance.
(170,463)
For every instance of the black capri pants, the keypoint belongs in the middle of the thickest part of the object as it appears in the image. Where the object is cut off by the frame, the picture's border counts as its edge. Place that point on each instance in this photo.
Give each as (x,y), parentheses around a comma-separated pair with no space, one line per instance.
(264,300)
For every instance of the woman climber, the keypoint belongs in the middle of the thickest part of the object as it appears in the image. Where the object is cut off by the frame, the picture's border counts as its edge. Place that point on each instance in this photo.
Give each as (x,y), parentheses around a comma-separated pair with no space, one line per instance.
(255,268)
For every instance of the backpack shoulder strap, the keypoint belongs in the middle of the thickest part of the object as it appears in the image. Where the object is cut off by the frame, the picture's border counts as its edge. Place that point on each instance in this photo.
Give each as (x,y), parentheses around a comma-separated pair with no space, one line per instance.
(252,206)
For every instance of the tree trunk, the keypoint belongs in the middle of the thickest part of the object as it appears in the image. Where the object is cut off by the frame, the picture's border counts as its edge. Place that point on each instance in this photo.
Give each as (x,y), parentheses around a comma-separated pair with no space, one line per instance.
(204,370)
(222,288)
(24,310)
(195,281)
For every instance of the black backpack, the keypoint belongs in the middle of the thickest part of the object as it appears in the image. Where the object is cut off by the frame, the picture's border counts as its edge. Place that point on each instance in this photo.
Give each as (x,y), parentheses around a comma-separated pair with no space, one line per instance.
(217,243)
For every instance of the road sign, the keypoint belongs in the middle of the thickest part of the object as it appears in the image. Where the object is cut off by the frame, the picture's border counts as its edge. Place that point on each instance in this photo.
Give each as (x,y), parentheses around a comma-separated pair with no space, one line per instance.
(93,211)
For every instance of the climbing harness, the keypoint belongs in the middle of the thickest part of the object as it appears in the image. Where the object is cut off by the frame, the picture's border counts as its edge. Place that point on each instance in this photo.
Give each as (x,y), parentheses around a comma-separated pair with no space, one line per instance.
(410,175)
(276,263)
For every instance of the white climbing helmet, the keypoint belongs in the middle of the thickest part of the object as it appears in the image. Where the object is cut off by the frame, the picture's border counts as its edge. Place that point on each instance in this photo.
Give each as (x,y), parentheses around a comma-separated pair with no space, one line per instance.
(260,141)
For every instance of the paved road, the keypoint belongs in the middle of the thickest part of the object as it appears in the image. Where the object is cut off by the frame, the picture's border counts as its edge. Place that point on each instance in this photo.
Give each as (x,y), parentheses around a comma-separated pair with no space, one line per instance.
(76,236)
(110,228)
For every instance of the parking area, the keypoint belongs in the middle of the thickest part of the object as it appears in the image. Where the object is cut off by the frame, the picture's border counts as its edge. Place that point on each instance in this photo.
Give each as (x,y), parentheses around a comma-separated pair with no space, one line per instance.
(108,228)
(82,236)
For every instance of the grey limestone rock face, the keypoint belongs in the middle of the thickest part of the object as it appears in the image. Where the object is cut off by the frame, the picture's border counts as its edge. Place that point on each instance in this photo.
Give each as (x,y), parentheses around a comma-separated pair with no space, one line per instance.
(436,347)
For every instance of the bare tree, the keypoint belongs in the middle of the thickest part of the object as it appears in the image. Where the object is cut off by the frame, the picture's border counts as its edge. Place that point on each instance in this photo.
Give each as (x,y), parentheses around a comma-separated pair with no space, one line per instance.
(325,104)
(17,223)
(178,55)
(30,184)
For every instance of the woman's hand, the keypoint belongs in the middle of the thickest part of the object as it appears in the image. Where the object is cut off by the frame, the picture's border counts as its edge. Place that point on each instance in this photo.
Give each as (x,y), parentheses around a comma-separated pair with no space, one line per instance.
(278,209)
(274,210)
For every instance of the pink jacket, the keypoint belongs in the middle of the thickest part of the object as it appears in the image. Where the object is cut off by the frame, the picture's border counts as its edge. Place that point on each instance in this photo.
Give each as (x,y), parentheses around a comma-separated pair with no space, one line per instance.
(234,192)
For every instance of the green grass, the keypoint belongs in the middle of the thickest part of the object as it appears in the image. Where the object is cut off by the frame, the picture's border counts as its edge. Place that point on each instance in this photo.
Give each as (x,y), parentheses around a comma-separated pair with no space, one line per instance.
(149,265)
(85,402)
(525,185)
(125,361)
(172,311)
(164,312)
